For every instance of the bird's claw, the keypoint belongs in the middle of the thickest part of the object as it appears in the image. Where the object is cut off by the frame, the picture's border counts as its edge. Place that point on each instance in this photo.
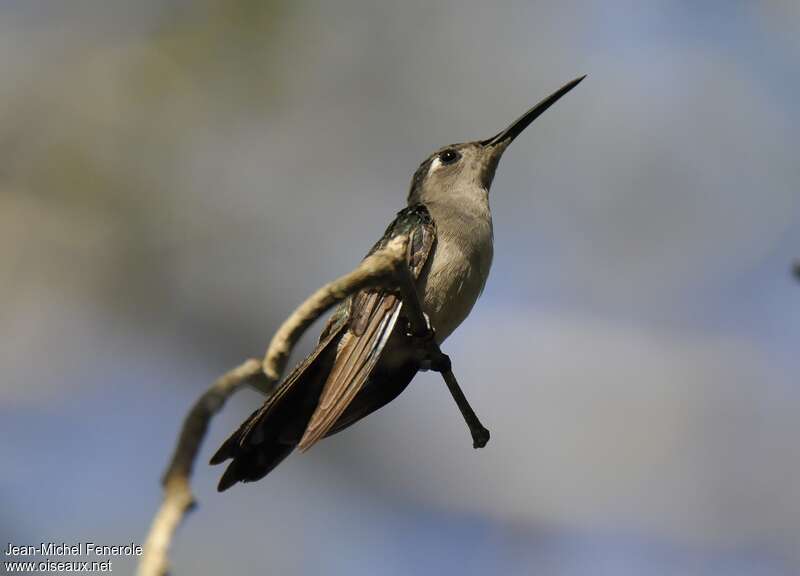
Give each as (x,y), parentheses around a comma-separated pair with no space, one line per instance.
(480,437)
(440,362)
(430,356)
(435,360)
(424,336)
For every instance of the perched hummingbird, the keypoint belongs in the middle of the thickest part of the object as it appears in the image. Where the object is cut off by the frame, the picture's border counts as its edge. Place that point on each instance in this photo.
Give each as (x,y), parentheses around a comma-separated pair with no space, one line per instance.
(367,355)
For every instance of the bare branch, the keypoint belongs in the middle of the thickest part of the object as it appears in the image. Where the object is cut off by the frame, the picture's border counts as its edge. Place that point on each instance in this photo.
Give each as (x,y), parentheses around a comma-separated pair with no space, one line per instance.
(480,435)
(440,362)
(386,269)
(379,269)
(196,423)
(178,499)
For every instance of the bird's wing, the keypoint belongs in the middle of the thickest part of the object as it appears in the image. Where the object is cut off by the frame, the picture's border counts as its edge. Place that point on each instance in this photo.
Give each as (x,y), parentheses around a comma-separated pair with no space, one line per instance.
(373,314)
(334,326)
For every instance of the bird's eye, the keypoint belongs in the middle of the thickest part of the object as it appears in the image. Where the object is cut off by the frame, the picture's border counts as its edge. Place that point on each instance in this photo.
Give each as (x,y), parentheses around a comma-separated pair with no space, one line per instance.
(449,156)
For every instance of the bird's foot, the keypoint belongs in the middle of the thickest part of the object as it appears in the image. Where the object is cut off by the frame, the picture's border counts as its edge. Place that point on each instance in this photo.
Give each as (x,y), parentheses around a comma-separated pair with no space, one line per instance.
(439,362)
(423,336)
(430,356)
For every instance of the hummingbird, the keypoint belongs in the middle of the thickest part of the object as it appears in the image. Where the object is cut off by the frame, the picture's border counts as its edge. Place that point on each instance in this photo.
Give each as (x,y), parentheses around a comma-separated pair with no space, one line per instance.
(366,354)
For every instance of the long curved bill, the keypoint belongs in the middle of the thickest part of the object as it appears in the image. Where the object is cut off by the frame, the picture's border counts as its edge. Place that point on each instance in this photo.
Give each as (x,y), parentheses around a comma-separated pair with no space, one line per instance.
(507,136)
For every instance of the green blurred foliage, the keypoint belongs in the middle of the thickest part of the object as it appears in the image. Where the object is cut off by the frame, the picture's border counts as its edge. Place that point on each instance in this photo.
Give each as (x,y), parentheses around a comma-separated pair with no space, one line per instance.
(92,144)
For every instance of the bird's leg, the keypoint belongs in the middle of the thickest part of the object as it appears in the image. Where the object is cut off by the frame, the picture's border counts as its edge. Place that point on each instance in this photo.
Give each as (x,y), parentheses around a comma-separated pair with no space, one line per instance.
(432,358)
(440,362)
(423,342)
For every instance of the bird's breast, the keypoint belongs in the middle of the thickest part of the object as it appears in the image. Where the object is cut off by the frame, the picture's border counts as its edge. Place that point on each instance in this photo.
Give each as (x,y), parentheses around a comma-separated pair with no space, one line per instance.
(458,271)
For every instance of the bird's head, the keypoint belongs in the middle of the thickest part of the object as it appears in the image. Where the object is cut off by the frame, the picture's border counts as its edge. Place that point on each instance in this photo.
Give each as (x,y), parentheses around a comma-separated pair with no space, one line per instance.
(462,169)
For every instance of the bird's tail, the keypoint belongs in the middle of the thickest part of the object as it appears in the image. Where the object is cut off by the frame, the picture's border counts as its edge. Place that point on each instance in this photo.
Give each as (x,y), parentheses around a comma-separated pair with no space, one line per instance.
(249,464)
(271,433)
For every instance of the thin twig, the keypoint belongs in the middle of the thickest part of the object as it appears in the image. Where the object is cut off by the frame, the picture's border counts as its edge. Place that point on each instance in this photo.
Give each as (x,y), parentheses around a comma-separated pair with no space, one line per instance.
(378,270)
(385,269)
(480,435)
(178,499)
(440,362)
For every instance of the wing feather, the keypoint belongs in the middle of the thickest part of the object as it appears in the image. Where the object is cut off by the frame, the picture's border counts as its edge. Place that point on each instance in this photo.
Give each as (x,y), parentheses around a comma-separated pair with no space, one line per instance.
(251,431)
(373,316)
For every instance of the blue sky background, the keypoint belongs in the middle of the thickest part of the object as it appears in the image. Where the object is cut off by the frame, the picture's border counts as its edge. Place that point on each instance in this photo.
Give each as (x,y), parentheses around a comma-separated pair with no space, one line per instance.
(176,176)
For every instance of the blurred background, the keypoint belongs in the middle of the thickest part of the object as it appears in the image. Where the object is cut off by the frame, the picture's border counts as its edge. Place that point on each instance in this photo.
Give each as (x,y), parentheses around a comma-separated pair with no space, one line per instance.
(176,176)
